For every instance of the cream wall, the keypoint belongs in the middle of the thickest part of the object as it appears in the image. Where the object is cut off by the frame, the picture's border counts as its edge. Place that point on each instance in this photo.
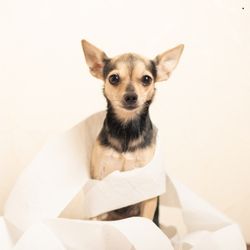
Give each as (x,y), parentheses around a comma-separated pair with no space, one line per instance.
(203,111)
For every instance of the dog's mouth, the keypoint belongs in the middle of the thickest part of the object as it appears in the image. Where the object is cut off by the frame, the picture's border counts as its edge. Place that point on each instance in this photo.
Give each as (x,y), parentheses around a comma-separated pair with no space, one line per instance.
(121,105)
(129,106)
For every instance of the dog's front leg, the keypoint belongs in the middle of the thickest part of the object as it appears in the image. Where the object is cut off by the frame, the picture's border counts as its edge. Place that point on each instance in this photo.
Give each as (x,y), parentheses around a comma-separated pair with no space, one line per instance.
(148,208)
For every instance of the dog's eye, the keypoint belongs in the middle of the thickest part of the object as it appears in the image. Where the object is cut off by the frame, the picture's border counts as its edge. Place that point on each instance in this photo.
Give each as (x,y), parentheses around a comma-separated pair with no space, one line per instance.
(146,80)
(114,79)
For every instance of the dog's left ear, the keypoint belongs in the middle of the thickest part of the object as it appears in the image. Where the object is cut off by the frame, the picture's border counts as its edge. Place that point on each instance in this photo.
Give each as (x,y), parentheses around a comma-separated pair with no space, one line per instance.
(95,58)
(167,62)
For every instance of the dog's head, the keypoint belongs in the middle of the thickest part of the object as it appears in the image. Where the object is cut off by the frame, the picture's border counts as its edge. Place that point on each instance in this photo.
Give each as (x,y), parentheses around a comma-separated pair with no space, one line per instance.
(129,79)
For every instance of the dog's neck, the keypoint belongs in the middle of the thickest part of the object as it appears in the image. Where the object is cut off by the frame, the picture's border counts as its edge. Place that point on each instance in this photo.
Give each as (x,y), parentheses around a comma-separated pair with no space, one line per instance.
(127,136)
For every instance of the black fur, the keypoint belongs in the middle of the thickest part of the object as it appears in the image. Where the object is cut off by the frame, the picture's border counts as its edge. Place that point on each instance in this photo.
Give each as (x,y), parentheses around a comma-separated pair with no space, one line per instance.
(156,215)
(153,69)
(140,126)
(108,66)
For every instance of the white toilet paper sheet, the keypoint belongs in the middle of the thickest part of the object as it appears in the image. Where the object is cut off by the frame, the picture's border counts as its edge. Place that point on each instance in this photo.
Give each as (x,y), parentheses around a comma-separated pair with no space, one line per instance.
(59,174)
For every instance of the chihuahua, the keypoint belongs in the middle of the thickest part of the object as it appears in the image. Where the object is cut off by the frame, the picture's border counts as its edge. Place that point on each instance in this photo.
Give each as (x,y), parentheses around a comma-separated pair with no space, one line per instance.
(128,137)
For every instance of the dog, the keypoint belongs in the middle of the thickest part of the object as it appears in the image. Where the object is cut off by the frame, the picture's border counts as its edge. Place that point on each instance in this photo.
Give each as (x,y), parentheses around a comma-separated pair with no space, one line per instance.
(128,137)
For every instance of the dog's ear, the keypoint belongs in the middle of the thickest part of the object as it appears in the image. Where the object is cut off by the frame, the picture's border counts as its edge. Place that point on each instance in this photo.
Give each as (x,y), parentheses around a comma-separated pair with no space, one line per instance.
(95,58)
(167,61)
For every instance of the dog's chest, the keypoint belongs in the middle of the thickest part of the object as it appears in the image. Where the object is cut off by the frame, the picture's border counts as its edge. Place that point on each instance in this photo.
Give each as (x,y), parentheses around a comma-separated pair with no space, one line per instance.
(106,160)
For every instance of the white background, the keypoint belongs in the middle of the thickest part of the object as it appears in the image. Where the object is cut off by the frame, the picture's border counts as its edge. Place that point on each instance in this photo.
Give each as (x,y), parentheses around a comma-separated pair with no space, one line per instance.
(203,111)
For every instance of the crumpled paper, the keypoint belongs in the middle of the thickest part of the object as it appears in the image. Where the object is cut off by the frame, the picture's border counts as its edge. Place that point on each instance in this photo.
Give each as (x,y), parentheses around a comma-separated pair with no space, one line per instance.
(57,184)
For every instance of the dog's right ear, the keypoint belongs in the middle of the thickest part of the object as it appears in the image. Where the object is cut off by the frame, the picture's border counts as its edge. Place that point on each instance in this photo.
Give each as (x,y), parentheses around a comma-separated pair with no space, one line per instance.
(95,58)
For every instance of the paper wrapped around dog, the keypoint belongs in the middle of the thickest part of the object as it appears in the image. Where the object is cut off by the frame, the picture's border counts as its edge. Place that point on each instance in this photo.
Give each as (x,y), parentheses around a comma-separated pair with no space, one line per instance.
(57,184)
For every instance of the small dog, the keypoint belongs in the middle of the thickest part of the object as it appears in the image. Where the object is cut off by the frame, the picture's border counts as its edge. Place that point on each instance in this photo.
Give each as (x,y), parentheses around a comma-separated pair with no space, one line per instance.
(128,137)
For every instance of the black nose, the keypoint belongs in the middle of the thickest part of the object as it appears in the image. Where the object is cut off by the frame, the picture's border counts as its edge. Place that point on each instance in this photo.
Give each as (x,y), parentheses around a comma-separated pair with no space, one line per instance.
(130,99)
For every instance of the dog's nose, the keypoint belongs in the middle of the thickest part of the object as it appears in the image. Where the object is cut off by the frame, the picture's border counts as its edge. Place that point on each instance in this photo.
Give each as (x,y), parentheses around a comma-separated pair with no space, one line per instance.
(130,99)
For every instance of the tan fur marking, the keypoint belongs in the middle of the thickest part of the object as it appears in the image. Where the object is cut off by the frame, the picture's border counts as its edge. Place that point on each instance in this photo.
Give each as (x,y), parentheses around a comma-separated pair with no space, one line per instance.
(105,160)
(148,208)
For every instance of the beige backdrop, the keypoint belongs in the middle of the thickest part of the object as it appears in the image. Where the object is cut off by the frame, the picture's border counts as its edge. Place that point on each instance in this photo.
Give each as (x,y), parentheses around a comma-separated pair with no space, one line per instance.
(203,111)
